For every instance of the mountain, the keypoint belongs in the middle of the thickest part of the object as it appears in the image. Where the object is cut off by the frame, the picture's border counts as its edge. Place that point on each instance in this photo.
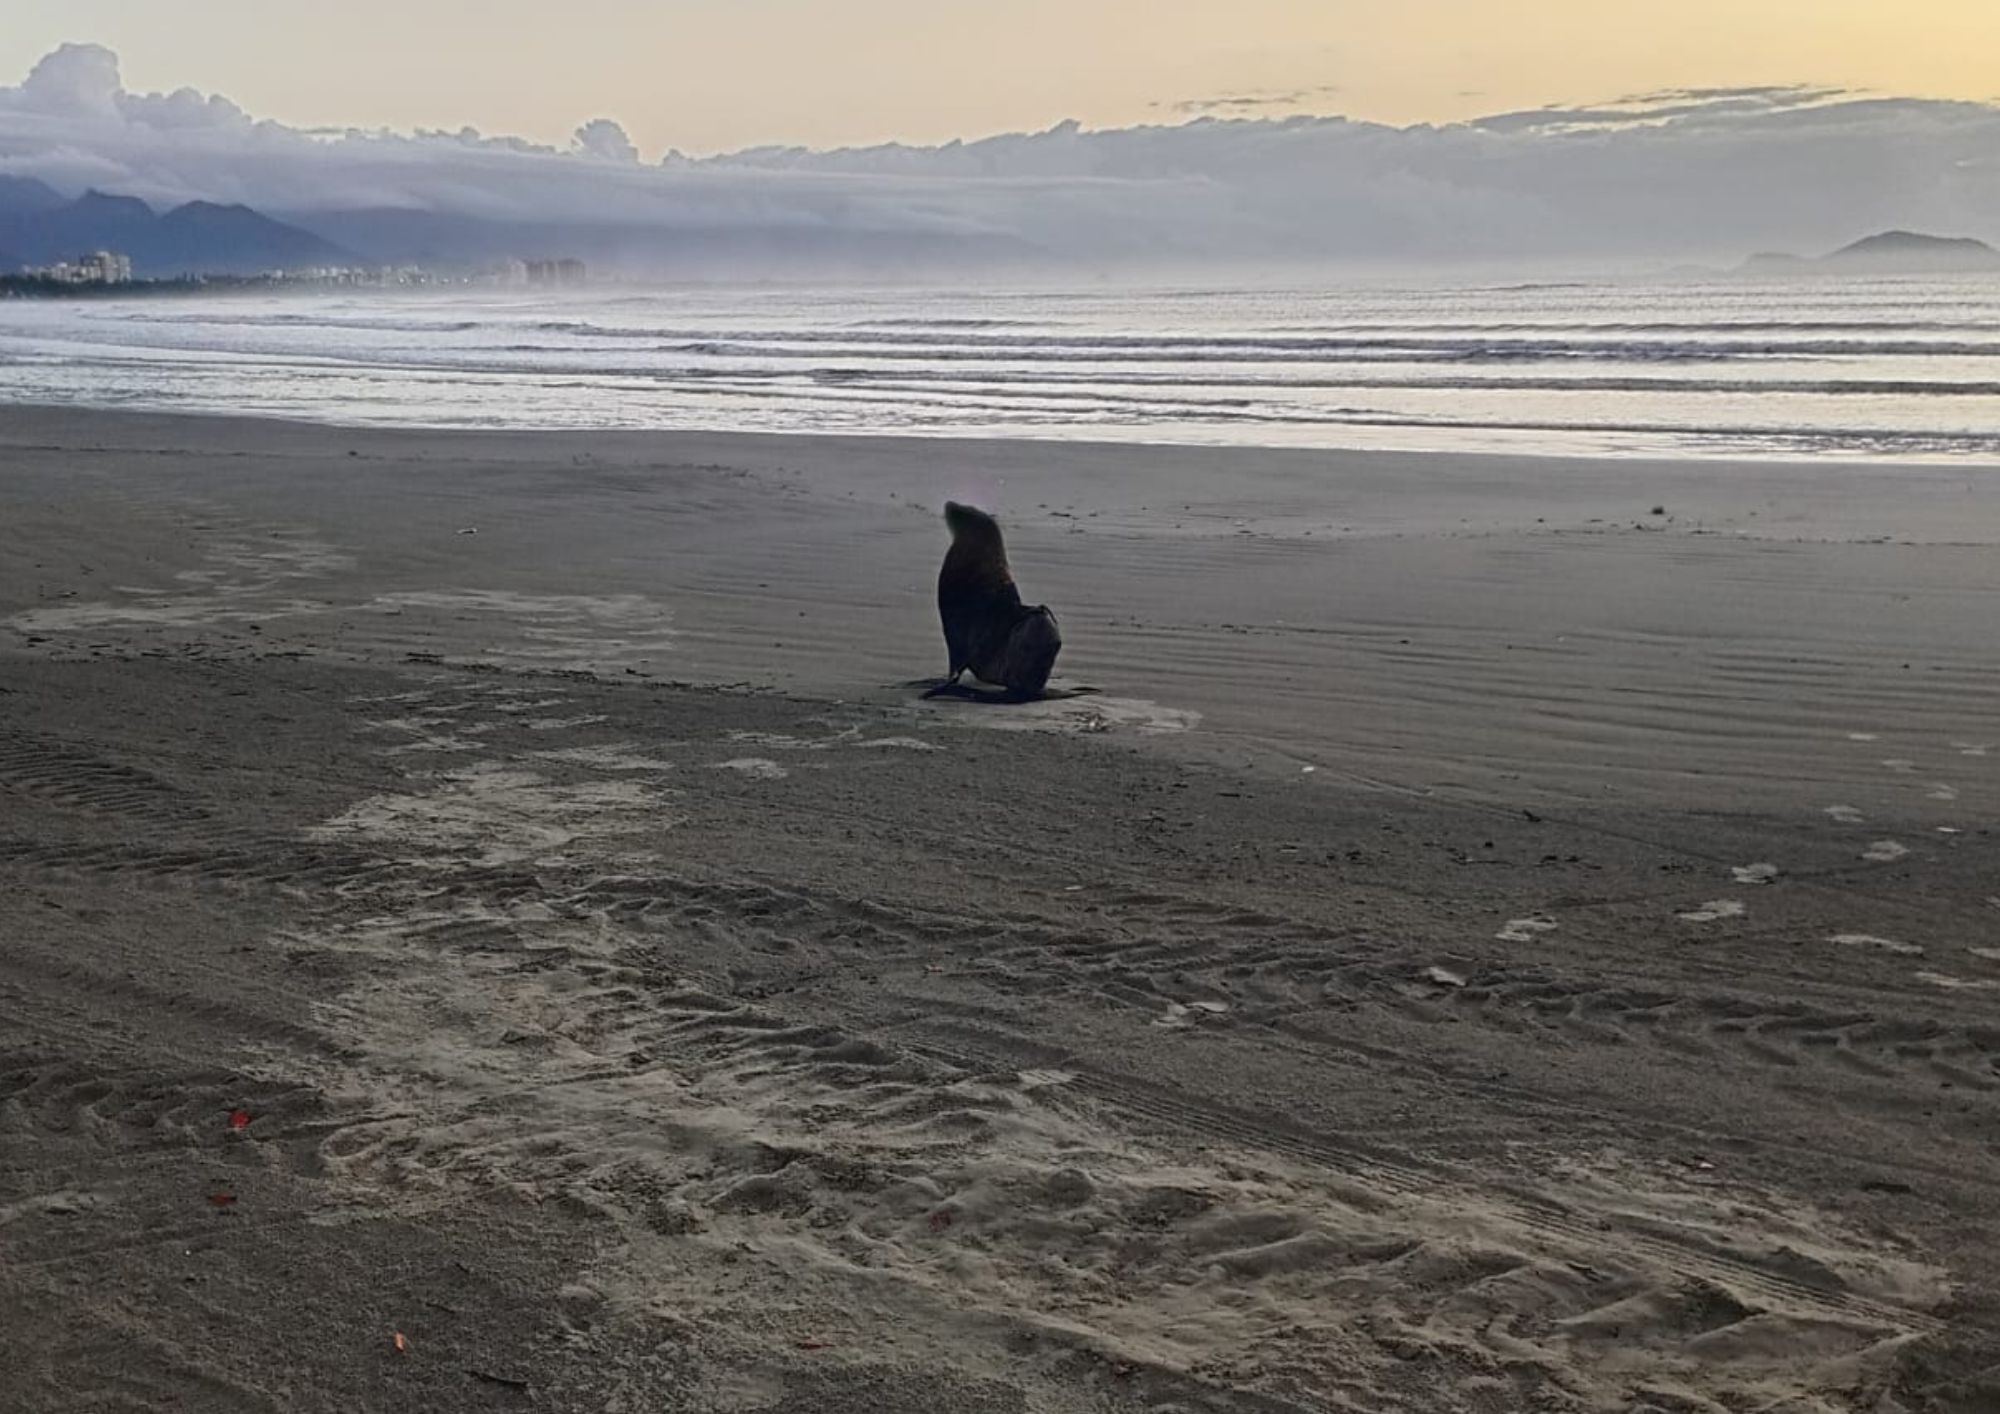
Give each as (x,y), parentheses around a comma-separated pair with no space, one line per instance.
(205,238)
(200,238)
(404,236)
(1886,253)
(1907,252)
(25,196)
(21,199)
(440,240)
(94,221)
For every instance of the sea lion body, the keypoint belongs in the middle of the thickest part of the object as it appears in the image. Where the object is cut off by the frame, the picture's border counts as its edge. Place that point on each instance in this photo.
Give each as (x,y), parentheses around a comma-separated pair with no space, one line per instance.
(988,631)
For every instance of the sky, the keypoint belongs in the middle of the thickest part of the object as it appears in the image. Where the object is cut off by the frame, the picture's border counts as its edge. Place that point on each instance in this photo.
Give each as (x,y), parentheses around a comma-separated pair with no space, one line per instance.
(1216,135)
(708,76)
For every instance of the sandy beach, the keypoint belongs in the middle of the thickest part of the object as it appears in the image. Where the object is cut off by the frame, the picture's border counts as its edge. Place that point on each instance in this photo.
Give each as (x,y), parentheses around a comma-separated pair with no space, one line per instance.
(487,922)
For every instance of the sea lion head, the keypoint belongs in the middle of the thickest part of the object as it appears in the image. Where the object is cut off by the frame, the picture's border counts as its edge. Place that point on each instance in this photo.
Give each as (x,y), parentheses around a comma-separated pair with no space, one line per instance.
(969,522)
(1030,654)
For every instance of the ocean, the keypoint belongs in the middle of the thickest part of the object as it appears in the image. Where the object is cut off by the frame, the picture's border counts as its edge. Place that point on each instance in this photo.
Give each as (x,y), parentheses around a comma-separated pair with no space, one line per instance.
(1900,369)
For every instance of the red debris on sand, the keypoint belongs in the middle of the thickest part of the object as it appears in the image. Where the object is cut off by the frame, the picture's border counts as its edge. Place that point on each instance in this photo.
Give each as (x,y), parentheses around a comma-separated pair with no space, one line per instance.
(810,1344)
(222,1197)
(940,1220)
(400,1343)
(238,1118)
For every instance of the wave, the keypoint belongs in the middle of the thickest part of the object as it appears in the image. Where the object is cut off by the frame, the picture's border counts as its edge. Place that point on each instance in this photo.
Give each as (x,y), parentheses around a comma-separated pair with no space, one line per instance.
(949,324)
(370,324)
(1149,413)
(961,338)
(1089,376)
(1330,351)
(1689,328)
(1558,365)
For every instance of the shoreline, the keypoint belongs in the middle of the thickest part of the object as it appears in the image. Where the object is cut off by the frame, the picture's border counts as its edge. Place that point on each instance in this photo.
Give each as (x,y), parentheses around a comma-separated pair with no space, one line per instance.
(1476,952)
(1078,436)
(20,423)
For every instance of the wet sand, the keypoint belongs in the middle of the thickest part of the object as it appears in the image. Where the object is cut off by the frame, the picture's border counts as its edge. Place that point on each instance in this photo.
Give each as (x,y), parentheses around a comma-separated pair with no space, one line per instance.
(1501,934)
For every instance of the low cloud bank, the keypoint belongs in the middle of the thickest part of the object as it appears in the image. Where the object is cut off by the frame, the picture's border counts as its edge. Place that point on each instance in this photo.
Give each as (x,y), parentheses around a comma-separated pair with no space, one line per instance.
(1698,174)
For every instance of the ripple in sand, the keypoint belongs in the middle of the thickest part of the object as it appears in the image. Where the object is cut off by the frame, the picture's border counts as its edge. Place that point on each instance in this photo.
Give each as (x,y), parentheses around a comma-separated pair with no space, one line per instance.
(758,768)
(1869,940)
(1714,910)
(1958,984)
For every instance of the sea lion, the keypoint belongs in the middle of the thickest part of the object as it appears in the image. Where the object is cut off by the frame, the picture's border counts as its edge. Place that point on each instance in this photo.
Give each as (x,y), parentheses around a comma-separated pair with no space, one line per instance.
(988,631)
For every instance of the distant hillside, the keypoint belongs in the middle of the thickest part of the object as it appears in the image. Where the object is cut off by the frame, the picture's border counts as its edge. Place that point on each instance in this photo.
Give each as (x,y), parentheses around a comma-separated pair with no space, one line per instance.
(1918,254)
(445,240)
(25,196)
(200,238)
(1886,253)
(94,221)
(41,227)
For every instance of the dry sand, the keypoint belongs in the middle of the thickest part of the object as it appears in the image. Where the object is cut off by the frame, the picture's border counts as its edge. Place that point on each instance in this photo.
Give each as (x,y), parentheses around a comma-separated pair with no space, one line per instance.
(1484,946)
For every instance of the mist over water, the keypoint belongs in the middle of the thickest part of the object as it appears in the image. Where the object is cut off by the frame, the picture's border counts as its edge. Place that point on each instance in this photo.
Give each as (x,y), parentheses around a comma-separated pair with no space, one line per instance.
(1890,368)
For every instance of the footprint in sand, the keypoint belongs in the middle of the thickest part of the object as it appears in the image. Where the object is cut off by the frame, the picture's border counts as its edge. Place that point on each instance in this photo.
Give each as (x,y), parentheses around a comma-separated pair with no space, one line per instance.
(1179,1016)
(1755,873)
(1714,910)
(1844,814)
(1046,1079)
(1885,852)
(617,757)
(1523,930)
(1869,940)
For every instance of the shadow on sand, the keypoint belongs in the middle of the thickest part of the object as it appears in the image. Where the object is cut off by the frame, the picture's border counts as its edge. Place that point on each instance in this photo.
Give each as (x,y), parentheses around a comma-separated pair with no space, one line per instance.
(961,691)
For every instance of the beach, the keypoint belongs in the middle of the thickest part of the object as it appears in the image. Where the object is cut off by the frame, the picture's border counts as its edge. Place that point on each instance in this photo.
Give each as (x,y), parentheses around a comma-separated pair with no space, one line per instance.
(490,922)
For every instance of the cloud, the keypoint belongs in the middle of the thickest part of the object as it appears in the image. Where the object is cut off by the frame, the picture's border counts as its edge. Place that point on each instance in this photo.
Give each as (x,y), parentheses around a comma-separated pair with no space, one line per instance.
(77,79)
(1689,107)
(604,139)
(1262,100)
(1686,174)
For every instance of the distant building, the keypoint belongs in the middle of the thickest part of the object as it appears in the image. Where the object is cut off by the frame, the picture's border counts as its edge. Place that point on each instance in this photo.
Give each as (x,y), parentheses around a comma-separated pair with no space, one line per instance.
(556,272)
(108,267)
(102,267)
